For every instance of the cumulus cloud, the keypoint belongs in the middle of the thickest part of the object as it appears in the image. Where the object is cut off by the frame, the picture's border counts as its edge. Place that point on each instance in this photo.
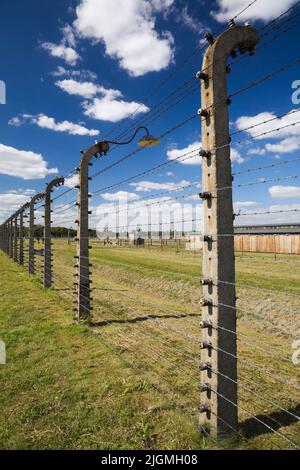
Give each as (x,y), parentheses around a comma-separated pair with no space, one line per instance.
(101,103)
(110,109)
(288,145)
(236,156)
(264,11)
(62,52)
(240,204)
(66,49)
(121,196)
(46,122)
(289,134)
(147,186)
(274,217)
(193,159)
(82,74)
(185,18)
(72,181)
(127,30)
(284,192)
(256,151)
(15,121)
(23,164)
(190,155)
(84,89)
(11,201)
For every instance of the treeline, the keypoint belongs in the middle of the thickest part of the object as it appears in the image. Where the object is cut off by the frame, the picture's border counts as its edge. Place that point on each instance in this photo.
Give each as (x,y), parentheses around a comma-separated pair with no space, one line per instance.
(56,232)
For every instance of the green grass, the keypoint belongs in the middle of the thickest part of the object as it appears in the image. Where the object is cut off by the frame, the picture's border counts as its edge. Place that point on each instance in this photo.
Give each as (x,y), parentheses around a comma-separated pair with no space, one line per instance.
(126,384)
(66,388)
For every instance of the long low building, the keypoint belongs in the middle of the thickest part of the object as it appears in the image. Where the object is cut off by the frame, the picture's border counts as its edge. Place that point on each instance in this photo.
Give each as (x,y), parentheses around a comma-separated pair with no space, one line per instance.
(268,229)
(269,238)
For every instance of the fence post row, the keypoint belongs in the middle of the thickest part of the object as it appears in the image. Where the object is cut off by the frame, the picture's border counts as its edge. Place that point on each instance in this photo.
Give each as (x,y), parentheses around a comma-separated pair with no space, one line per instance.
(31,254)
(10,234)
(83,298)
(21,234)
(218,369)
(15,236)
(47,270)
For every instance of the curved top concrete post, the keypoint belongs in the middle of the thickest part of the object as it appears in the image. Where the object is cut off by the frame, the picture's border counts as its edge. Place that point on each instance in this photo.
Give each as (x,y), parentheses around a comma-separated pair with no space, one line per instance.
(219,299)
(54,183)
(243,38)
(36,198)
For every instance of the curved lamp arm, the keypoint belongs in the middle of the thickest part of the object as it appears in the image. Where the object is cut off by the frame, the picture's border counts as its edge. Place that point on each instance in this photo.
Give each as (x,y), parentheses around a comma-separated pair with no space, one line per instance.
(131,138)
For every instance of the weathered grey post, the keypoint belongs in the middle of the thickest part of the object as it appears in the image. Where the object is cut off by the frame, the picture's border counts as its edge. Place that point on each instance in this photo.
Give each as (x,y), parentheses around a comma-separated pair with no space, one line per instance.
(15,235)
(11,237)
(83,282)
(47,270)
(31,255)
(218,368)
(21,234)
(8,237)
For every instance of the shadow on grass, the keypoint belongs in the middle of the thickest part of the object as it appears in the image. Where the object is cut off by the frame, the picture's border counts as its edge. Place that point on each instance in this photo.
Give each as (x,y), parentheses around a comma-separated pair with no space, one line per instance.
(275,420)
(144,318)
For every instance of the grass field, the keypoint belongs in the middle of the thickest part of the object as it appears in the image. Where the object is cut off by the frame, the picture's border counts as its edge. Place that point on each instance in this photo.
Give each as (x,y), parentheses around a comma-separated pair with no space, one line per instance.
(130,379)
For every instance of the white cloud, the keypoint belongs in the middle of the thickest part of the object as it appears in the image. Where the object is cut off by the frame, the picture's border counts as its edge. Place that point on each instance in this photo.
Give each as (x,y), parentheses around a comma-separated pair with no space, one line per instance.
(193,197)
(284,192)
(23,164)
(71,181)
(147,186)
(239,204)
(170,173)
(15,121)
(106,104)
(82,74)
(273,217)
(66,49)
(68,35)
(84,89)
(236,156)
(108,108)
(127,30)
(10,202)
(256,151)
(46,122)
(26,192)
(189,21)
(175,153)
(288,133)
(61,51)
(120,196)
(262,10)
(160,5)
(288,145)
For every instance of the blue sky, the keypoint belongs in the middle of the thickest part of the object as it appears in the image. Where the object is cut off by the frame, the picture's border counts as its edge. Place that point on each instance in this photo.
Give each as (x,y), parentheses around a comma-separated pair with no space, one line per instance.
(76,69)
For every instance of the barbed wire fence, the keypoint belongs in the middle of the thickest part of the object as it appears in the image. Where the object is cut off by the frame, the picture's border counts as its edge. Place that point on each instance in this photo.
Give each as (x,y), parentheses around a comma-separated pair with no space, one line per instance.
(248,384)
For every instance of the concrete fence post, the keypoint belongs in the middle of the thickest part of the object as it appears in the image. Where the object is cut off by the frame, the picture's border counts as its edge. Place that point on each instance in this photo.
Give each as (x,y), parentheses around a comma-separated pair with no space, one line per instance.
(11,237)
(21,234)
(218,364)
(83,299)
(7,237)
(31,254)
(47,269)
(16,236)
